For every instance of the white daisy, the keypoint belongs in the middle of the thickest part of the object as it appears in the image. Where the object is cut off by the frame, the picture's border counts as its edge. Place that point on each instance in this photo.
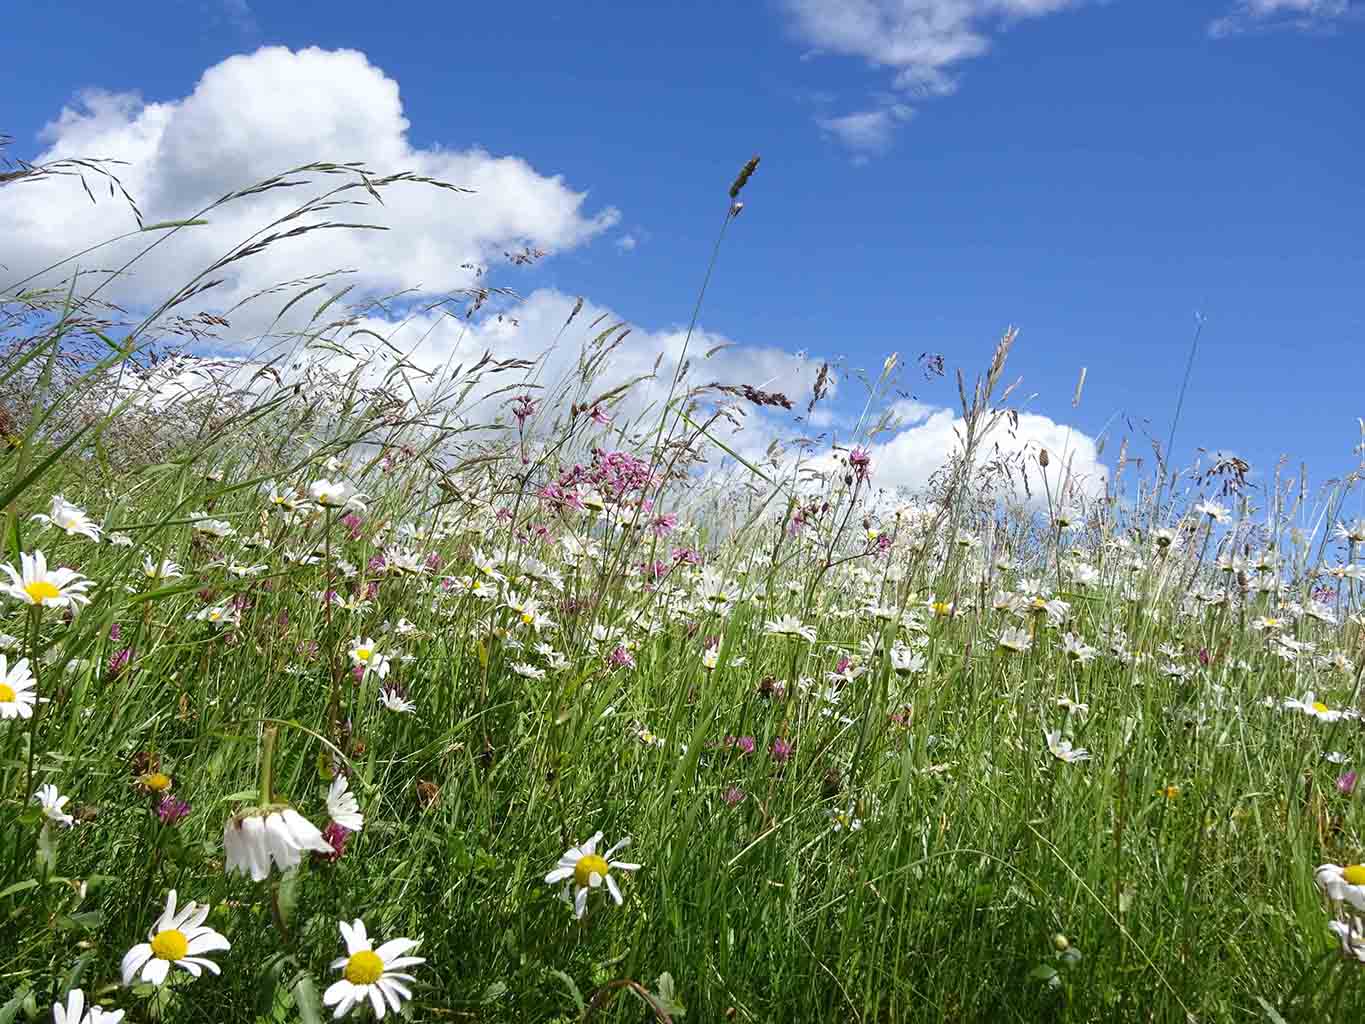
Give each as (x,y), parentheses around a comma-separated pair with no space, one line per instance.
(52,803)
(363,653)
(76,1012)
(254,840)
(1016,640)
(1343,883)
(35,584)
(177,938)
(336,494)
(120,540)
(371,974)
(589,870)
(1351,934)
(16,689)
(395,701)
(69,518)
(790,625)
(1062,749)
(164,569)
(343,806)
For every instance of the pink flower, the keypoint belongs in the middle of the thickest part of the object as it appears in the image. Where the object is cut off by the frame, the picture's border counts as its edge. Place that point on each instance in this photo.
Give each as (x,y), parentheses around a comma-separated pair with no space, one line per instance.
(171,809)
(781,749)
(1347,783)
(621,658)
(861,461)
(733,795)
(336,836)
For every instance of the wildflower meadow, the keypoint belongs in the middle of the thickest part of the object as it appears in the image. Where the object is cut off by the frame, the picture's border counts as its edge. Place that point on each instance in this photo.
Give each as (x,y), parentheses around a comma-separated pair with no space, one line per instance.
(336,685)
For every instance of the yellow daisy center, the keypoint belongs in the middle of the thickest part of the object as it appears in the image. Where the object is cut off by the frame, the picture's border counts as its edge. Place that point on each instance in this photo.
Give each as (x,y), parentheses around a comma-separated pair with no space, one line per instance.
(1170,792)
(527,618)
(1354,875)
(363,653)
(41,590)
(587,866)
(6,693)
(1319,707)
(170,945)
(942,607)
(364,968)
(157,782)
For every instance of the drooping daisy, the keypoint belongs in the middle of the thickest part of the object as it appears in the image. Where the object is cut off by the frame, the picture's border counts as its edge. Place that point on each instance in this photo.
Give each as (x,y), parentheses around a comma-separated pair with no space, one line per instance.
(589,870)
(1062,749)
(1343,883)
(364,654)
(1351,934)
(76,1012)
(178,938)
(371,974)
(35,584)
(164,569)
(52,803)
(219,528)
(790,625)
(343,806)
(526,670)
(16,689)
(336,494)
(68,518)
(1016,640)
(394,700)
(255,840)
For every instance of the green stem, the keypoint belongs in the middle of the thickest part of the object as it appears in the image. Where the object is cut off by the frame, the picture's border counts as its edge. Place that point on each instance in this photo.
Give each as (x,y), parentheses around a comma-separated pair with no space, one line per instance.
(267,768)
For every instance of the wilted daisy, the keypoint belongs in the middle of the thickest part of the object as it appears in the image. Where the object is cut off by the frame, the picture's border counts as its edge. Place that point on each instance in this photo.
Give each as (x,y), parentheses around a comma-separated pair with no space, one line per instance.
(336,494)
(35,584)
(393,700)
(1343,884)
(364,655)
(76,1012)
(342,805)
(1062,749)
(16,689)
(1351,934)
(589,870)
(252,841)
(369,974)
(69,518)
(1016,640)
(790,625)
(52,803)
(178,938)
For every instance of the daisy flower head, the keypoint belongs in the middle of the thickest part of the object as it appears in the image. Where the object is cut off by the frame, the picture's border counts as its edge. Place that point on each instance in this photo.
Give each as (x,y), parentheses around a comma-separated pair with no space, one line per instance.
(364,655)
(52,804)
(369,974)
(1342,883)
(180,939)
(790,625)
(1315,708)
(76,1012)
(391,698)
(583,869)
(37,585)
(69,518)
(164,569)
(336,494)
(343,806)
(1017,640)
(16,689)
(1062,749)
(277,835)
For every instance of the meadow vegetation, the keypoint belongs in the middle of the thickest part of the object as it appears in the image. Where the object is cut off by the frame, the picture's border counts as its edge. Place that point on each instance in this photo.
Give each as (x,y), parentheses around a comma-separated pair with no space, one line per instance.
(378,665)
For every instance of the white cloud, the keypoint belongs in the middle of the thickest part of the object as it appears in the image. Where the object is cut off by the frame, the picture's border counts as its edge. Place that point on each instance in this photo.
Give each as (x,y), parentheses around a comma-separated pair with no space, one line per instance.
(867,132)
(256,115)
(1268,15)
(922,41)
(627,243)
(911,456)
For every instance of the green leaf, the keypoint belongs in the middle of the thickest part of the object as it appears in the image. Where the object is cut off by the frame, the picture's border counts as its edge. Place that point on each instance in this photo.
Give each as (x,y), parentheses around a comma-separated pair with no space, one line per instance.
(1271,1014)
(667,996)
(571,986)
(493,993)
(45,858)
(10,1011)
(306,999)
(18,887)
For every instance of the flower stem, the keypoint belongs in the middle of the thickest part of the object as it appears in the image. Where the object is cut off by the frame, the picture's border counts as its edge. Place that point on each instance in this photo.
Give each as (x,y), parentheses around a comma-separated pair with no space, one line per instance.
(267,769)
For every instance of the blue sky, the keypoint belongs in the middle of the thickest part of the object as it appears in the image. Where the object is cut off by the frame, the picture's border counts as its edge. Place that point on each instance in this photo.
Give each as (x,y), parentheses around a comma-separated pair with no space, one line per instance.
(1094,172)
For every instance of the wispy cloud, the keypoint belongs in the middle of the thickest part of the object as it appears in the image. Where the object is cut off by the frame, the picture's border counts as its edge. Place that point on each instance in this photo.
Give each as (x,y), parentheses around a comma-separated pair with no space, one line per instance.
(240,16)
(921,42)
(1293,15)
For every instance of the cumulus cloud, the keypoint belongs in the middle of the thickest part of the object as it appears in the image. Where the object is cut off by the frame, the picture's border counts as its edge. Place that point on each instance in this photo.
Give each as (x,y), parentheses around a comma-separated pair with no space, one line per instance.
(1270,15)
(256,115)
(920,41)
(912,455)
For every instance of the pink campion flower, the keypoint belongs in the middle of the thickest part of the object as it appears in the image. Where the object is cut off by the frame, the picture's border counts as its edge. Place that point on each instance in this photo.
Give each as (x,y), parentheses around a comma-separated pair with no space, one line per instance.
(664,525)
(686,556)
(1347,783)
(523,408)
(353,524)
(781,749)
(621,658)
(119,660)
(599,417)
(861,462)
(882,543)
